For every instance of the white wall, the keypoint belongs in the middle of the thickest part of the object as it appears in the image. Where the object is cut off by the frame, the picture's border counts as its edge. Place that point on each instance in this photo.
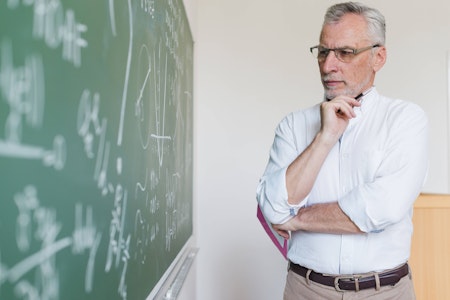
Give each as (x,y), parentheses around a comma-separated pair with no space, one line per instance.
(252,66)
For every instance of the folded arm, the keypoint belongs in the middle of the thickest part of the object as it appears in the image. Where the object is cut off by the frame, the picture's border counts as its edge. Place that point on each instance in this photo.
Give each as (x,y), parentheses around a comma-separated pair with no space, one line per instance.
(322,218)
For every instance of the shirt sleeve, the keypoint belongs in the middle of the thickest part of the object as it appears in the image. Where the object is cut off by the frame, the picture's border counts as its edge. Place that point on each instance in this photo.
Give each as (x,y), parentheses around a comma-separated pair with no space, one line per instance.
(389,197)
(271,192)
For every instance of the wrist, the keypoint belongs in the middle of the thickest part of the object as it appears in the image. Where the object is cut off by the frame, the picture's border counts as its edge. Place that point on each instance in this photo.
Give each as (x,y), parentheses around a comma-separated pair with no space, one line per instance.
(325,139)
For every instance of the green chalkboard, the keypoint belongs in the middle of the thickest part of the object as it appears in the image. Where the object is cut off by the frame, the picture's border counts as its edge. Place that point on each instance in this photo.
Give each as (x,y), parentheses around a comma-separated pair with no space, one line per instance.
(96,125)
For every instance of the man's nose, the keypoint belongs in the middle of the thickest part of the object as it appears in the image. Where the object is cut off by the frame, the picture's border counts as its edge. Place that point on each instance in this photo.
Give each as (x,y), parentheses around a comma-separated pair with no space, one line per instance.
(330,63)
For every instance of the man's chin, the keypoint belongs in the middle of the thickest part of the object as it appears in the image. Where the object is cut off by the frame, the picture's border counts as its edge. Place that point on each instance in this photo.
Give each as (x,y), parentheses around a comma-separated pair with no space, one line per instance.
(331,94)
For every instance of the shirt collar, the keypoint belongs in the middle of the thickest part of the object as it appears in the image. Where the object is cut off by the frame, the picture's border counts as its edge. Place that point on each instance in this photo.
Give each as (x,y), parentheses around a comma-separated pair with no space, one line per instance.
(367,99)
(366,102)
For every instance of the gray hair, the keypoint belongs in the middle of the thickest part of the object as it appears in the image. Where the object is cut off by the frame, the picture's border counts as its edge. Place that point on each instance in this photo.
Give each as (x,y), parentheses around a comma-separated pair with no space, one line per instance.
(376,23)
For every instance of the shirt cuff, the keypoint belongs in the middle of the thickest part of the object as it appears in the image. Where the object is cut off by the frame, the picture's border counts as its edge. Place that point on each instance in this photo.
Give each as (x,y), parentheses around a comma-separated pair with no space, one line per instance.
(273,198)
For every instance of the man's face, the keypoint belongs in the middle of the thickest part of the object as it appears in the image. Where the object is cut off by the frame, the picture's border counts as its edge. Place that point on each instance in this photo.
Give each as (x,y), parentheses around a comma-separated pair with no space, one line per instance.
(356,76)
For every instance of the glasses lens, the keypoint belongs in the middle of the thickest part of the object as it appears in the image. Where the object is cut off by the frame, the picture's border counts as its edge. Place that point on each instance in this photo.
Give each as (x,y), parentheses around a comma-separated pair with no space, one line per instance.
(321,53)
(344,55)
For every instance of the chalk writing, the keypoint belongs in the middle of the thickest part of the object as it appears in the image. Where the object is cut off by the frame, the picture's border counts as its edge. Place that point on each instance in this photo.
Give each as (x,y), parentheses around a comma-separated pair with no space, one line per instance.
(112,17)
(26,202)
(146,229)
(22,89)
(86,237)
(127,75)
(145,90)
(175,31)
(56,27)
(39,224)
(118,246)
(149,7)
(90,128)
(88,123)
(171,211)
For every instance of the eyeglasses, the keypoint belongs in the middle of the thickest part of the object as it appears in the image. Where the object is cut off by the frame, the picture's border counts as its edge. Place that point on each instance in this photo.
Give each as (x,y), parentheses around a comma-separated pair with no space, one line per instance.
(343,54)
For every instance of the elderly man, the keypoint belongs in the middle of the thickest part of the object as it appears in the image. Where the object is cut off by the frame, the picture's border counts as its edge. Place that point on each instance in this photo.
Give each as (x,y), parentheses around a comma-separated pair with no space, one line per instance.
(343,175)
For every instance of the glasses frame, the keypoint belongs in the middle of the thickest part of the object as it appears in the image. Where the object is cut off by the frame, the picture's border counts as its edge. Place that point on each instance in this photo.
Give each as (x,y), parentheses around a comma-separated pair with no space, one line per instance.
(340,50)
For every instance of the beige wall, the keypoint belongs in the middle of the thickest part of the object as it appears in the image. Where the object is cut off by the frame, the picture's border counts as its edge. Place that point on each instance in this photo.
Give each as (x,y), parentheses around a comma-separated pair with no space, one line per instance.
(252,66)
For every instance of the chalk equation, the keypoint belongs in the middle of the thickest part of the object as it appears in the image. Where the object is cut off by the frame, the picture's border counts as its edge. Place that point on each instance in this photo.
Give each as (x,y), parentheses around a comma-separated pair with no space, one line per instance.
(39,224)
(22,88)
(95,146)
(56,27)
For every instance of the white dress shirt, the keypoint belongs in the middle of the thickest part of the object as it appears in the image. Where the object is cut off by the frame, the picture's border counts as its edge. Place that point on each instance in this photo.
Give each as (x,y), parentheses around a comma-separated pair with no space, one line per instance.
(375,172)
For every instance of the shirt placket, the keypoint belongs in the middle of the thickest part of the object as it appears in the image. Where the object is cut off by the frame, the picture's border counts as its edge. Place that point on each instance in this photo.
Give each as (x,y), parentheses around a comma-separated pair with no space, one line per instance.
(347,246)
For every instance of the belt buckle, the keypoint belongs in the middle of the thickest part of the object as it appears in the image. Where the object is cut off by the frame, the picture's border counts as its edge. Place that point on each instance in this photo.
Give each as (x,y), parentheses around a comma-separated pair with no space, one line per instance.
(354,278)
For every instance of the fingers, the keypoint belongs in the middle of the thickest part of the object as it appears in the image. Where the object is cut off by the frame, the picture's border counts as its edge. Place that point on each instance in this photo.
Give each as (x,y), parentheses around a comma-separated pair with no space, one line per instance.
(284,229)
(343,106)
(345,111)
(283,233)
(335,117)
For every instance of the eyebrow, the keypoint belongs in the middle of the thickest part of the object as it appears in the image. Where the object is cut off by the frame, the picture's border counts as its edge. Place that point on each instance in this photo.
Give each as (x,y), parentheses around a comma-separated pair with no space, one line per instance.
(341,47)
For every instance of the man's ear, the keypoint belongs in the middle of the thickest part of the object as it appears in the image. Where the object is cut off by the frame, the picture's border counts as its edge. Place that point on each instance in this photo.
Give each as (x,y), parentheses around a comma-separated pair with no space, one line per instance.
(379,58)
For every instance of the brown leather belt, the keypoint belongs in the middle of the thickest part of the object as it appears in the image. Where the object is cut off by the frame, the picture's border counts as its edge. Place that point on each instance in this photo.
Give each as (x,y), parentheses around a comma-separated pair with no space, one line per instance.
(353,282)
